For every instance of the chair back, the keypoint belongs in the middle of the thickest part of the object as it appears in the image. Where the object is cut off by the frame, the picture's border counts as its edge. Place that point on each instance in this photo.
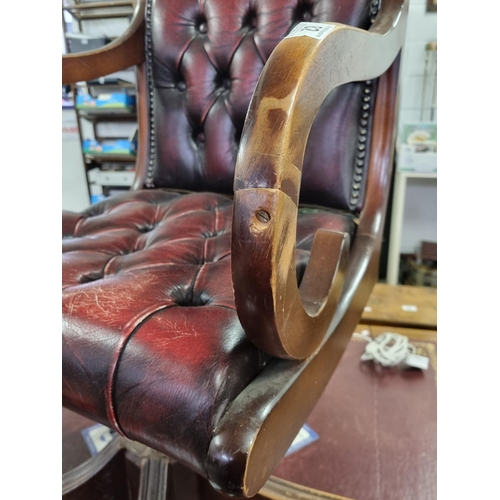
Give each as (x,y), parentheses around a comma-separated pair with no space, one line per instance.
(203,60)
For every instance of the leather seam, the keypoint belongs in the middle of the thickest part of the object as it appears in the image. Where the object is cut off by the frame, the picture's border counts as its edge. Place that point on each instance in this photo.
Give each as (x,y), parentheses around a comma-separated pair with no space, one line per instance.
(258,50)
(77,225)
(111,411)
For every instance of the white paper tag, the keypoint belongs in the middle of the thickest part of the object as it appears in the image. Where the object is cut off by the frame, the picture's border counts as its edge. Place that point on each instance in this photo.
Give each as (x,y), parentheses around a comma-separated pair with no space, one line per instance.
(409,308)
(312,30)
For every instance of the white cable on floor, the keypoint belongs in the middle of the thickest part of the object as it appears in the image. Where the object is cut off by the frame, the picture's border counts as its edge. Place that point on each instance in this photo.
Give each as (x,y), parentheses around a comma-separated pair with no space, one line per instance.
(388,349)
(392,349)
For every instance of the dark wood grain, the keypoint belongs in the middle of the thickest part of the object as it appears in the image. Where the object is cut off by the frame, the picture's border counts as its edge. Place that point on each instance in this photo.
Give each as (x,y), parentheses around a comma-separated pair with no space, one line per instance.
(142,124)
(403,306)
(260,424)
(300,73)
(244,456)
(122,53)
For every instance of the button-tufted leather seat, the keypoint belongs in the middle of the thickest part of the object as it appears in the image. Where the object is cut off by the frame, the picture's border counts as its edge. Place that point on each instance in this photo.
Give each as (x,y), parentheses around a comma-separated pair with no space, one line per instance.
(151,333)
(152,344)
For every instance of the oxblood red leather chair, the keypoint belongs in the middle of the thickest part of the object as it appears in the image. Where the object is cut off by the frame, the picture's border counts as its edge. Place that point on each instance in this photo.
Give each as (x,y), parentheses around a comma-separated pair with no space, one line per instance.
(184,328)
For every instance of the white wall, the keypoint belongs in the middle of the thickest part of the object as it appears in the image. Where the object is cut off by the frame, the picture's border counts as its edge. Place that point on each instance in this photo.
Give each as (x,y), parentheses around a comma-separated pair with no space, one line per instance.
(420,222)
(74,186)
(421,195)
(421,29)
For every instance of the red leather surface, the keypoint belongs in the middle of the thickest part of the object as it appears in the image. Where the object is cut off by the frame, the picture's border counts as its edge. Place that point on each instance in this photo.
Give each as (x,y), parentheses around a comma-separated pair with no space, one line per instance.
(377,433)
(204,60)
(152,345)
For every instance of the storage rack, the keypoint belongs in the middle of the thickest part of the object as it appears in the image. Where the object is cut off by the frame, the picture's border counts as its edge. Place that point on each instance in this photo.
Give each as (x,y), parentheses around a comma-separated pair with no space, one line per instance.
(107,179)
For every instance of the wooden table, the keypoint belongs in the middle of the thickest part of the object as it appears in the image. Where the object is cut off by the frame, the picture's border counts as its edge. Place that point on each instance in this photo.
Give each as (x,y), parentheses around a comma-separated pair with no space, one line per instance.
(404,306)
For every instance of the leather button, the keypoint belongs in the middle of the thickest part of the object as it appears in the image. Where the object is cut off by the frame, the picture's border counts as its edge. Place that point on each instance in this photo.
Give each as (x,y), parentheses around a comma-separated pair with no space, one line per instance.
(237,135)
(205,343)
(226,83)
(199,138)
(307,16)
(203,28)
(210,234)
(147,228)
(250,20)
(181,86)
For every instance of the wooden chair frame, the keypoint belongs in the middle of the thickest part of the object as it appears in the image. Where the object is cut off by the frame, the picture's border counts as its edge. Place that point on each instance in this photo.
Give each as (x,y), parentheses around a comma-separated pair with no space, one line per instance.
(296,79)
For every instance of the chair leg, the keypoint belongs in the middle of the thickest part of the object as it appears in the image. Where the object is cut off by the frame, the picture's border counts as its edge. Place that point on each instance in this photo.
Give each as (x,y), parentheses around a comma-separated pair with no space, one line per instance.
(154,479)
(98,476)
(124,470)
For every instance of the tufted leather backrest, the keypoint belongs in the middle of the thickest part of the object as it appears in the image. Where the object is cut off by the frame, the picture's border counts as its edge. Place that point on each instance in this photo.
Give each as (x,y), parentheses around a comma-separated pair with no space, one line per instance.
(202,64)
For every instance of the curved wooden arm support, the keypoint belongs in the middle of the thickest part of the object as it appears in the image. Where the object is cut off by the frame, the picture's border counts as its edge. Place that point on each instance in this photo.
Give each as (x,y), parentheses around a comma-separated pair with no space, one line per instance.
(278,317)
(124,52)
(276,403)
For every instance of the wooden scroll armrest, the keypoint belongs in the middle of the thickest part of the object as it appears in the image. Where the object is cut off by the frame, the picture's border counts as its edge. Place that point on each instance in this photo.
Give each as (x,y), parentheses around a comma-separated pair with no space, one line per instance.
(277,316)
(122,53)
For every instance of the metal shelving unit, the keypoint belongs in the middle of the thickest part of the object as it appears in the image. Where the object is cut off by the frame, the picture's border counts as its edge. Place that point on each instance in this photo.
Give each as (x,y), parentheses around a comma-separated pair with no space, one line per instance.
(90,11)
